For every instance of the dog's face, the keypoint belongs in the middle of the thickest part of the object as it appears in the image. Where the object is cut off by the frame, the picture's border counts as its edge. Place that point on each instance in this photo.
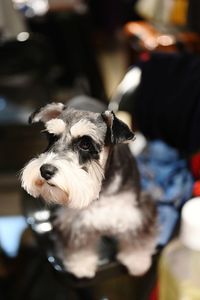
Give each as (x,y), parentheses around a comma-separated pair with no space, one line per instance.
(71,169)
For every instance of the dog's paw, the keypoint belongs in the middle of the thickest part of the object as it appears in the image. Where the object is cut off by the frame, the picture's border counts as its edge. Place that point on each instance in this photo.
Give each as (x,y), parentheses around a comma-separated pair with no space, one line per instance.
(82,266)
(137,264)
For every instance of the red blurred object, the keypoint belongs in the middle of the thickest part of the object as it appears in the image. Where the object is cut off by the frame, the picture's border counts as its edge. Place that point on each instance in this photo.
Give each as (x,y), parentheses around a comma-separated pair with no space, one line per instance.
(195,165)
(154,293)
(196,188)
(145,56)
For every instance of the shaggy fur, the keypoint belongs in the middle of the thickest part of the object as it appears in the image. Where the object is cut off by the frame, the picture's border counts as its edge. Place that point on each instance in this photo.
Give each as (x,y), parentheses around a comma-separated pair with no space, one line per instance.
(88,169)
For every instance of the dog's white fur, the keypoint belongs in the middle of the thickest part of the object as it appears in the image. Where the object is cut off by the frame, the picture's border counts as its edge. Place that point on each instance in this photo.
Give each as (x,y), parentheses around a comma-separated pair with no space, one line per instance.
(107,216)
(55,126)
(62,188)
(84,127)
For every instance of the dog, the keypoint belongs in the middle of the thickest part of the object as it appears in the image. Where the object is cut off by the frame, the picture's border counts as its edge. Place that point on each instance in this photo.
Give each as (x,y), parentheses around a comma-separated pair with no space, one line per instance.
(90,172)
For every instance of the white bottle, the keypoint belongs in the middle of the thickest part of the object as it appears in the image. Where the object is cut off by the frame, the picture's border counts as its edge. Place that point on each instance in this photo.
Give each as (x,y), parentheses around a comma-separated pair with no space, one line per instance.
(179,267)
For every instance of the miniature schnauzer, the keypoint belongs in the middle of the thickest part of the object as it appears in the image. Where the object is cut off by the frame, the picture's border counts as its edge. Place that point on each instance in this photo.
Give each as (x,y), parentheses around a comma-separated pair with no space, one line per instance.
(89,170)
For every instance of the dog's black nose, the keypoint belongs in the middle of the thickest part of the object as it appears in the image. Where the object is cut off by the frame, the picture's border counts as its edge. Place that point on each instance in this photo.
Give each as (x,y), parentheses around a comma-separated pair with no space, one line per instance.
(47,171)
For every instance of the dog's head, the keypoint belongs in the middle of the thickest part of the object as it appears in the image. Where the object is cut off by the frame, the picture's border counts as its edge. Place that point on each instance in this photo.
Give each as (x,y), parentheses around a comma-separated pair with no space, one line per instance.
(71,169)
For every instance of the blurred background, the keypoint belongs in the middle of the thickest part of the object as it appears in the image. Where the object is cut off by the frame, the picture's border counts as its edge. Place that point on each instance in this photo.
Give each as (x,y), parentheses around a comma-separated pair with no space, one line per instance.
(138,57)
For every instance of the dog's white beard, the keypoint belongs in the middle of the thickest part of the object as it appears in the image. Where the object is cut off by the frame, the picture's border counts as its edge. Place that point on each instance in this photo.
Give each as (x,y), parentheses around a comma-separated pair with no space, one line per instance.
(71,185)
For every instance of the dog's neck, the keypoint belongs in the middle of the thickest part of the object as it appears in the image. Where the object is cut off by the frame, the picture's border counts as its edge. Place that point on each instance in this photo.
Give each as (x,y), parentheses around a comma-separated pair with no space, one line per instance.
(121,167)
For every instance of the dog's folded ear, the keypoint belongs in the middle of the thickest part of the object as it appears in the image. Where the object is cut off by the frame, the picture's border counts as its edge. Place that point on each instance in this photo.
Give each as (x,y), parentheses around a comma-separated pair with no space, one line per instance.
(46,113)
(118,132)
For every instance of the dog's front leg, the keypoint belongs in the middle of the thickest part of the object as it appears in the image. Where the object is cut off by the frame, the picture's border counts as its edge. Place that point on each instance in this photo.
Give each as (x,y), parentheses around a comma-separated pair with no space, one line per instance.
(81,251)
(81,262)
(134,256)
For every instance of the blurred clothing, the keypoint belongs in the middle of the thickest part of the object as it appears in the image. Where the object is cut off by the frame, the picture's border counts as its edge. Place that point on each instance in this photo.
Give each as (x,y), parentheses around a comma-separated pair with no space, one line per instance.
(167,104)
(165,175)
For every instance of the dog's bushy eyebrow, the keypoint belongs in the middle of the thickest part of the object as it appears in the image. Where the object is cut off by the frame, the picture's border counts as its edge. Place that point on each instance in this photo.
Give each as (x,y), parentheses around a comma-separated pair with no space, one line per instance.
(83,127)
(55,126)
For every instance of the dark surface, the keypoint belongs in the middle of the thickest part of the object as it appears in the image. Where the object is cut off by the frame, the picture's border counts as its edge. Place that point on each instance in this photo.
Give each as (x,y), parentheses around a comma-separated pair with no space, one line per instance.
(32,277)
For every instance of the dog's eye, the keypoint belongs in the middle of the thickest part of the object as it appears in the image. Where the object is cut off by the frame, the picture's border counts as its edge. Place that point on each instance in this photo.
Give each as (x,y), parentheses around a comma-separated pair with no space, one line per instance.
(85,143)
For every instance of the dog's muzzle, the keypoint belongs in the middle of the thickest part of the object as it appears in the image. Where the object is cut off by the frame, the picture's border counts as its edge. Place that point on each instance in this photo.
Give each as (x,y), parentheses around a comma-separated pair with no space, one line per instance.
(47,171)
